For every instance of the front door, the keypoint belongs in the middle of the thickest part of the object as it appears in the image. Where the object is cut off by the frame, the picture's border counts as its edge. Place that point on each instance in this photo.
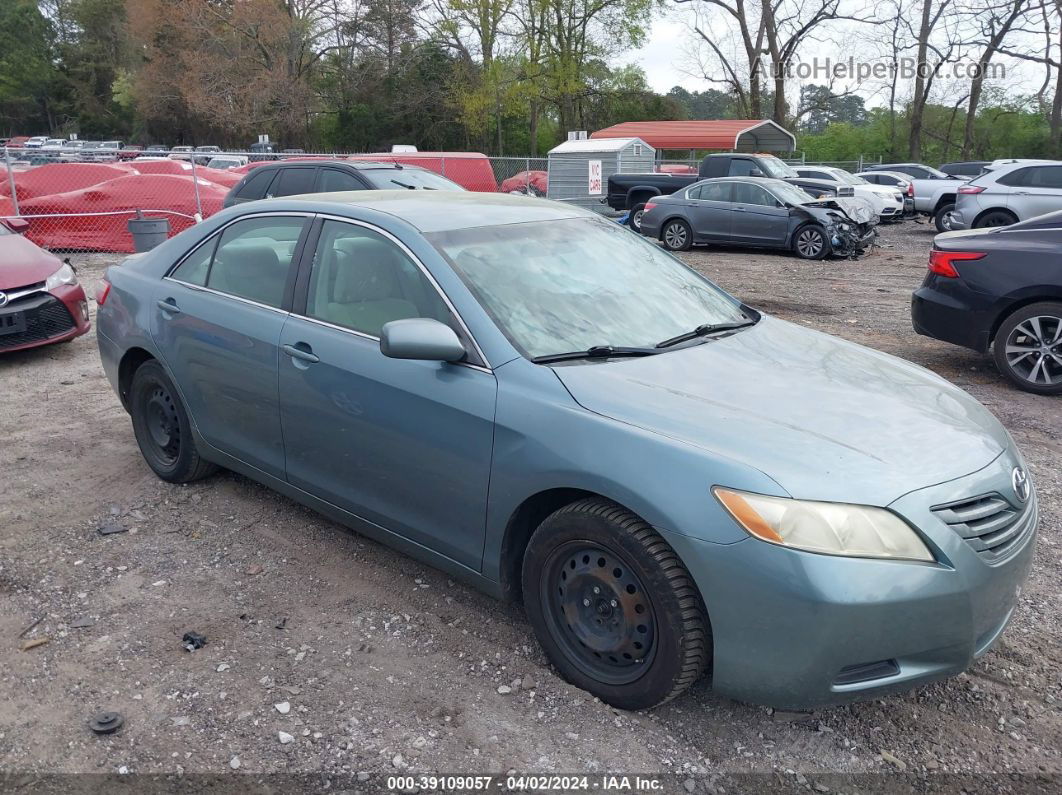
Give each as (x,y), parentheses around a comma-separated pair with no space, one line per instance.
(404,444)
(759,218)
(217,321)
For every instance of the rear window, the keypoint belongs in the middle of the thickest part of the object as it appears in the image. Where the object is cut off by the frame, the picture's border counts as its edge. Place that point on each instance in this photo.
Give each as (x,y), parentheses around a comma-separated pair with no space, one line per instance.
(414,178)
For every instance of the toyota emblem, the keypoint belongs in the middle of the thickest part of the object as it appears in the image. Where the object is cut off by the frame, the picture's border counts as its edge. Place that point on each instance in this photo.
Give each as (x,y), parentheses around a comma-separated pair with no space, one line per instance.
(3,299)
(1020,481)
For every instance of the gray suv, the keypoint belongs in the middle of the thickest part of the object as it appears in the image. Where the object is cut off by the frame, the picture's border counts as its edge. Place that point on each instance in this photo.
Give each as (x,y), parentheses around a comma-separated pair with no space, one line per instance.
(1008,194)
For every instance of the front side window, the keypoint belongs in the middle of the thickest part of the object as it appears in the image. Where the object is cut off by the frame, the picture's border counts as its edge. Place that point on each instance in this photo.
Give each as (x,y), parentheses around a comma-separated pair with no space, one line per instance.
(569,285)
(745,193)
(361,280)
(253,258)
(332,179)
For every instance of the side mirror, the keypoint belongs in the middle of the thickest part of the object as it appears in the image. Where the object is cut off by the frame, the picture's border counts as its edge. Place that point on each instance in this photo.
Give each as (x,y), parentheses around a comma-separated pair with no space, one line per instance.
(420,338)
(17,225)
(755,172)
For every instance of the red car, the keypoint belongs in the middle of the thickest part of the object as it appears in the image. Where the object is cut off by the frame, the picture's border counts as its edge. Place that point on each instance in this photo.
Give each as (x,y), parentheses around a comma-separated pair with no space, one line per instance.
(40,299)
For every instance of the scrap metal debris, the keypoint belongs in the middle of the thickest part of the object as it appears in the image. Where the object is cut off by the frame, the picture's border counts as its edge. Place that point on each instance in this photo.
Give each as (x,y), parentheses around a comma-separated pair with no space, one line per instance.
(106,722)
(110,529)
(32,644)
(193,641)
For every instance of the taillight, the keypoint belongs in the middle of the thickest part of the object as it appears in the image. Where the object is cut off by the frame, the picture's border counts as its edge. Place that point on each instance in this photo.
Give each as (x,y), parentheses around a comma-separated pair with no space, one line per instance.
(942,263)
(102,293)
(910,189)
(649,206)
(971,189)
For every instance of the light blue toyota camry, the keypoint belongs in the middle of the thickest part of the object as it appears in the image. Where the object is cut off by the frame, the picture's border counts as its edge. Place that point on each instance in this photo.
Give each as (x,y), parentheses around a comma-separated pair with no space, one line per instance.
(548,406)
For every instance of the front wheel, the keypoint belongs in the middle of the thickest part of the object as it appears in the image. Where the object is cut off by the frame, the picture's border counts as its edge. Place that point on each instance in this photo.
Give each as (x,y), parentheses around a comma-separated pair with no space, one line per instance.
(613,607)
(811,242)
(162,428)
(942,218)
(1028,348)
(677,235)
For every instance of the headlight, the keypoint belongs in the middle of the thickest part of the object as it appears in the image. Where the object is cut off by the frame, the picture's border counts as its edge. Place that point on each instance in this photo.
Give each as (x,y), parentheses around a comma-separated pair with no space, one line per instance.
(65,275)
(830,528)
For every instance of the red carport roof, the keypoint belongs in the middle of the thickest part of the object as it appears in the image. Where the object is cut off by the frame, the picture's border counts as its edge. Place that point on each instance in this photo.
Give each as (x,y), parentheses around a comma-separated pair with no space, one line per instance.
(744,134)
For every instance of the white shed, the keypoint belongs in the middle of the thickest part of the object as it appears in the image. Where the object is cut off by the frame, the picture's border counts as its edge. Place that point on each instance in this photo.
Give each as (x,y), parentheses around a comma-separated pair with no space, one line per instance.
(579,170)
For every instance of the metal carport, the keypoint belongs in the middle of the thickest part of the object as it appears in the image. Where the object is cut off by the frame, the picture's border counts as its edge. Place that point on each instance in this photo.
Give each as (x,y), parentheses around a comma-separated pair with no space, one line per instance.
(741,135)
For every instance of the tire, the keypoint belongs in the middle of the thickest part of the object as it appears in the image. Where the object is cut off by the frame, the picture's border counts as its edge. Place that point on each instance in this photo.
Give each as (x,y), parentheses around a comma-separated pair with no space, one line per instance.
(634,217)
(940,218)
(162,428)
(995,218)
(677,235)
(643,636)
(804,245)
(1027,348)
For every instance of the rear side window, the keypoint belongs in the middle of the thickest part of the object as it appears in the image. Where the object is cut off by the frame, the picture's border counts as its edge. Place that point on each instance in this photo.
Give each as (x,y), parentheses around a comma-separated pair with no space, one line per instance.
(818,175)
(255,186)
(253,258)
(332,179)
(1043,177)
(293,181)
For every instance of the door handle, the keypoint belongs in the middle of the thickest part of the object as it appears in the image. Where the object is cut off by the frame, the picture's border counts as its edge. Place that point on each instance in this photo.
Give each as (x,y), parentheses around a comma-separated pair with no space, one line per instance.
(739,209)
(169,305)
(304,353)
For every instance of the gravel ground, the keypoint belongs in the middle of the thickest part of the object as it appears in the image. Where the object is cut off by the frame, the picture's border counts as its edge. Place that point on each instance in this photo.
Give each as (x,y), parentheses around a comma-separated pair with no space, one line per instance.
(328,654)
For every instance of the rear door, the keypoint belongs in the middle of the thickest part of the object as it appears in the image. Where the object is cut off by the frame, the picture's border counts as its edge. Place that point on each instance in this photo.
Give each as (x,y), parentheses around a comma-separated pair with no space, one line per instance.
(758,217)
(217,319)
(1039,192)
(710,210)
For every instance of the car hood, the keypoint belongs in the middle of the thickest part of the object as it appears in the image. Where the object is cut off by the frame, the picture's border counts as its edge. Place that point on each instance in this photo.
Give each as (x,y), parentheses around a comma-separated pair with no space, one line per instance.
(858,209)
(824,418)
(22,262)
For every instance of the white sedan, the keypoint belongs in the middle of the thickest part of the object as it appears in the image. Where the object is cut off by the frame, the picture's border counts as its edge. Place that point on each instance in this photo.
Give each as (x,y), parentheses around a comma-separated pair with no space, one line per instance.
(886,201)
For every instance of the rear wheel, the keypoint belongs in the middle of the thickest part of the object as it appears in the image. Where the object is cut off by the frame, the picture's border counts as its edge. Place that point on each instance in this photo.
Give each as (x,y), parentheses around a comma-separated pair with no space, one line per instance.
(942,218)
(162,428)
(634,217)
(811,242)
(995,218)
(677,235)
(1028,348)
(612,605)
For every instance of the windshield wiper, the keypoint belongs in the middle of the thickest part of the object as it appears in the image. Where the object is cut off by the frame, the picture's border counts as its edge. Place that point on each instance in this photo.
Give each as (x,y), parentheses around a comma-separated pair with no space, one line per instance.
(403,184)
(703,331)
(596,352)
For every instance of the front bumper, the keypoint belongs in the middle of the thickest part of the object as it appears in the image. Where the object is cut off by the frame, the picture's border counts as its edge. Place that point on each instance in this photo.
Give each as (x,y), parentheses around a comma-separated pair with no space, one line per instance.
(796,630)
(44,318)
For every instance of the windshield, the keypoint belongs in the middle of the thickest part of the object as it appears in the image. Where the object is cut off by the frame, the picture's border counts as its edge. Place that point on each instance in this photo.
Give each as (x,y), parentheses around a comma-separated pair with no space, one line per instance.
(776,168)
(791,194)
(559,286)
(393,179)
(849,179)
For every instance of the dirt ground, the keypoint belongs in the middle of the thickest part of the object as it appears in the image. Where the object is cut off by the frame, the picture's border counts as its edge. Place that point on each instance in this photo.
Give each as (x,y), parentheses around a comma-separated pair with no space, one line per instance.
(328,654)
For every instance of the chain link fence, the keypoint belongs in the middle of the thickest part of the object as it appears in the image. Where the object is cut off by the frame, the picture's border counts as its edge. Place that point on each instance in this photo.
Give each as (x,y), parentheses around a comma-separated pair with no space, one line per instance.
(81,199)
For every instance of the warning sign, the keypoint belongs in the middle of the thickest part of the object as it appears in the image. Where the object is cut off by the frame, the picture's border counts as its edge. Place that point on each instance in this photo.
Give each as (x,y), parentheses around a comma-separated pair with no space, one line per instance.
(595,177)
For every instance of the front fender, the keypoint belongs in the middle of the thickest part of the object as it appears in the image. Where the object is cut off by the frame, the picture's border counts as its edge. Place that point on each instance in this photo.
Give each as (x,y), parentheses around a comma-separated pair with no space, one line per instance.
(544,440)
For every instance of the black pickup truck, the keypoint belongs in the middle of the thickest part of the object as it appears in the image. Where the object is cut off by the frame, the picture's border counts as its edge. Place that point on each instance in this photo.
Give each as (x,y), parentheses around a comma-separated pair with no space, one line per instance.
(631,191)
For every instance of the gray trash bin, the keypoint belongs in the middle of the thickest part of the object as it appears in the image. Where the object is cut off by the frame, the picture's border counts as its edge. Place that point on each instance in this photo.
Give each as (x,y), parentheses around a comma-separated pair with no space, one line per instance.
(148,232)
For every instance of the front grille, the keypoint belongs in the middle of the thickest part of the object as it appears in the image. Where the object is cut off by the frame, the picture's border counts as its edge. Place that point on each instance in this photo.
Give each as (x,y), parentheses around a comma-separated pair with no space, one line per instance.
(45,316)
(989,523)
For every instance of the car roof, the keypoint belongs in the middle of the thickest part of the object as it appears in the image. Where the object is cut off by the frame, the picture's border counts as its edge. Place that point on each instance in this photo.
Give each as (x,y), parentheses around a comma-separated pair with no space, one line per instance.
(437,211)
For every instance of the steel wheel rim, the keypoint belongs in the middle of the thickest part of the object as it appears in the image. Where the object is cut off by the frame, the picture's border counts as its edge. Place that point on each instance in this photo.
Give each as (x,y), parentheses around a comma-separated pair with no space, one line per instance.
(675,235)
(162,425)
(945,222)
(609,634)
(636,219)
(1033,350)
(809,242)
